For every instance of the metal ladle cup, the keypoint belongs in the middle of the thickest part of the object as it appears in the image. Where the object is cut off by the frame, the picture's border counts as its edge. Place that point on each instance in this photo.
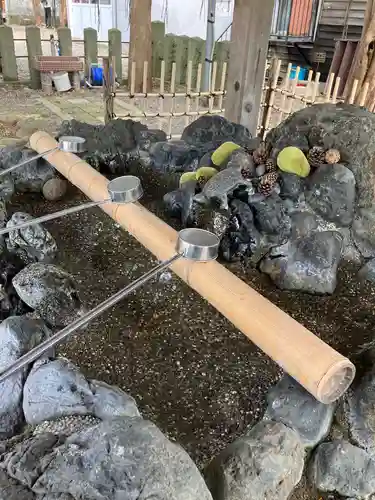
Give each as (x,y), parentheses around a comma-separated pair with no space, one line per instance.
(192,244)
(68,144)
(122,190)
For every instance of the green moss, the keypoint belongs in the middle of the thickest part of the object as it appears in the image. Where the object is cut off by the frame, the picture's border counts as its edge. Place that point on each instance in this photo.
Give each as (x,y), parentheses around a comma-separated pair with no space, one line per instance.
(223,152)
(188,176)
(205,173)
(293,161)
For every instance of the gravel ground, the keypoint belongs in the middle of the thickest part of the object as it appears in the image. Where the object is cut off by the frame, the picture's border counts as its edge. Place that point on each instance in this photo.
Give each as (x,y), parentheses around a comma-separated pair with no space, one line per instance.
(189,369)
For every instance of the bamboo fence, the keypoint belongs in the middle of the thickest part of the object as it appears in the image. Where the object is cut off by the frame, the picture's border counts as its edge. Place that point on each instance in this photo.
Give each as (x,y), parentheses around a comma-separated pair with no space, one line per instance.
(187,102)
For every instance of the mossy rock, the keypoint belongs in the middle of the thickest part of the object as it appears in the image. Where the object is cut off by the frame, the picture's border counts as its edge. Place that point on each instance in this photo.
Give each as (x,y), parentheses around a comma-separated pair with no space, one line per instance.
(223,152)
(293,161)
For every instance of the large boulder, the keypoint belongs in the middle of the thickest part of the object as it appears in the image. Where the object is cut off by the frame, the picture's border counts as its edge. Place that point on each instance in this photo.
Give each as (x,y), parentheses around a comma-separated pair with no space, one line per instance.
(340,467)
(18,334)
(264,464)
(308,264)
(215,130)
(58,389)
(291,404)
(125,458)
(51,291)
(350,130)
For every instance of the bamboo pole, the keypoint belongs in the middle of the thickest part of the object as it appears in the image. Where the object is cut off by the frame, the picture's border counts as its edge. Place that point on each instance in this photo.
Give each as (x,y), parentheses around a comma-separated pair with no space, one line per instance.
(319,368)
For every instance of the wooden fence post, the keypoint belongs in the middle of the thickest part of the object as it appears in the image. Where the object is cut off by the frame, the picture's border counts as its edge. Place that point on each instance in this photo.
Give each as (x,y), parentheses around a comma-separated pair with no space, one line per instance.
(158,34)
(108,89)
(251,28)
(195,54)
(115,51)
(34,49)
(65,41)
(90,37)
(8,54)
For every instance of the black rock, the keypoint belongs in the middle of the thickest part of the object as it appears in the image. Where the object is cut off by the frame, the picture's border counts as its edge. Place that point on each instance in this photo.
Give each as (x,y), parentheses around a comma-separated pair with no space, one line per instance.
(175,156)
(110,147)
(291,186)
(343,468)
(331,193)
(206,161)
(291,404)
(10,302)
(308,264)
(179,203)
(146,137)
(215,130)
(271,218)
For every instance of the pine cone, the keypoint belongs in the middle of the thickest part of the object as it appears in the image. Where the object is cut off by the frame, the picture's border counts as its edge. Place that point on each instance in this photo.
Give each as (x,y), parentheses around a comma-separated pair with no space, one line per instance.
(332,156)
(316,156)
(260,154)
(267,183)
(271,165)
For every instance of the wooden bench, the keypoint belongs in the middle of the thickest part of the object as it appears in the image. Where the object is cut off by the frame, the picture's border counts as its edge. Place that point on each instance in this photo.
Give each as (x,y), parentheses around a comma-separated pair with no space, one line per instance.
(54,64)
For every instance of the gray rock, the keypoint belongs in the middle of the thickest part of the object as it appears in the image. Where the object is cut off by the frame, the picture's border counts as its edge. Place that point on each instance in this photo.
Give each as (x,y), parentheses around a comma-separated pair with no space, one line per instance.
(55,389)
(359,411)
(18,334)
(350,252)
(260,170)
(265,464)
(303,223)
(123,458)
(51,291)
(331,193)
(291,404)
(7,188)
(343,468)
(10,489)
(362,229)
(242,160)
(308,264)
(217,189)
(206,161)
(54,189)
(33,243)
(215,130)
(179,203)
(110,401)
(291,186)
(367,272)
(271,218)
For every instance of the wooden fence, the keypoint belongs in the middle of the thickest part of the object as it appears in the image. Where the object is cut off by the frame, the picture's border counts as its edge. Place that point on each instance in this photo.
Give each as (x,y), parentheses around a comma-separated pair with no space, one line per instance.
(169,106)
(17,55)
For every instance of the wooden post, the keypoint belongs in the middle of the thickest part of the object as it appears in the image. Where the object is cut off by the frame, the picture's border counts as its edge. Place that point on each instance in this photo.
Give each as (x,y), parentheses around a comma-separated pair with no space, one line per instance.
(37,10)
(108,91)
(248,53)
(63,14)
(8,54)
(140,41)
(34,49)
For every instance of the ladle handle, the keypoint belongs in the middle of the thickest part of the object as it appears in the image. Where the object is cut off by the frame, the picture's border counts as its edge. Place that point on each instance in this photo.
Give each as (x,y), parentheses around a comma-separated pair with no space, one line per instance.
(38,351)
(25,162)
(55,215)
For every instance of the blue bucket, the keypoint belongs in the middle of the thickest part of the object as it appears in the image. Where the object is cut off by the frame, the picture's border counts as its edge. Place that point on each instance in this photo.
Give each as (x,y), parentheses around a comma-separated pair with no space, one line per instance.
(97,75)
(302,75)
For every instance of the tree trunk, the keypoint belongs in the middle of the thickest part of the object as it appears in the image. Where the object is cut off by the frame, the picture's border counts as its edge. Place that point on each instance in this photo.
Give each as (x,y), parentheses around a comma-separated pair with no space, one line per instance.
(140,50)
(63,14)
(362,58)
(37,10)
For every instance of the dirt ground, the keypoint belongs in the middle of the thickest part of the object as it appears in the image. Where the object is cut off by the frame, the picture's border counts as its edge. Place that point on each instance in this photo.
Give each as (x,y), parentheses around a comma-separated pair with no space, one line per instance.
(190,370)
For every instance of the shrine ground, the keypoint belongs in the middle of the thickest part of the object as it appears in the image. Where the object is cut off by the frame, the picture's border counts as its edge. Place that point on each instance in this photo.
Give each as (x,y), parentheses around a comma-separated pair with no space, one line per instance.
(190,371)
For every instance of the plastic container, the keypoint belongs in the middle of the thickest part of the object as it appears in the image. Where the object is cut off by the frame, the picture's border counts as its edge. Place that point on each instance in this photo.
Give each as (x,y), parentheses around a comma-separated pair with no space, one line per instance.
(61,81)
(302,75)
(96,75)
